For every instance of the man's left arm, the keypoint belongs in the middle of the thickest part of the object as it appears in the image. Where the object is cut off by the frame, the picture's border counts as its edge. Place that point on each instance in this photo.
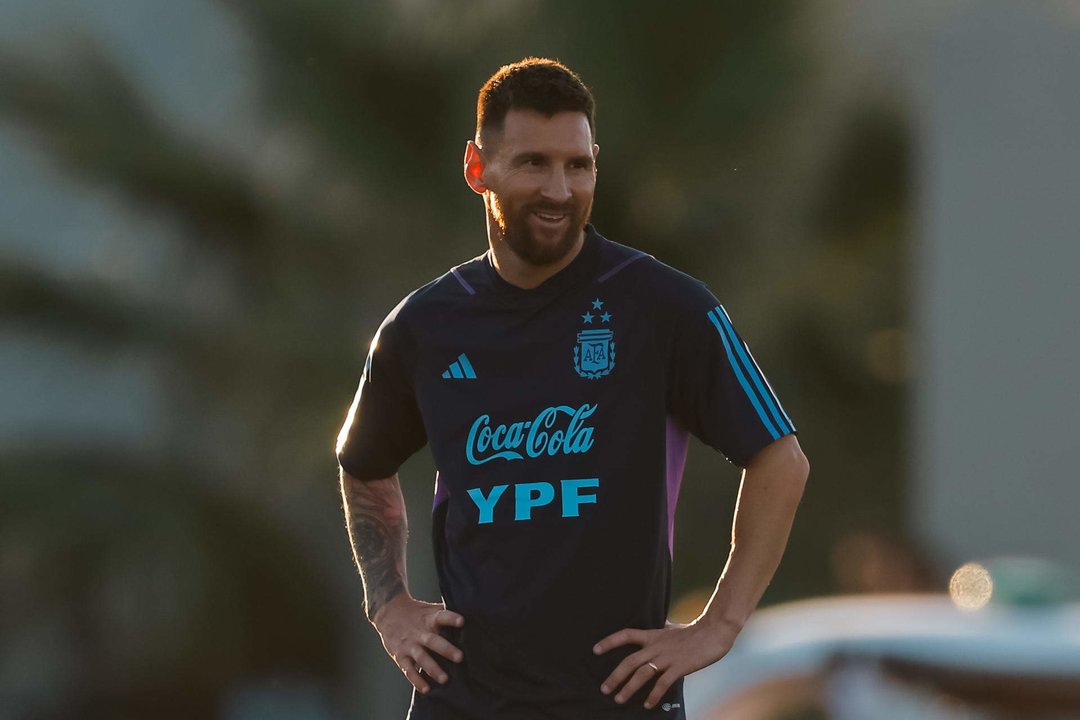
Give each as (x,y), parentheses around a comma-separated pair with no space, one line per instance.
(772,485)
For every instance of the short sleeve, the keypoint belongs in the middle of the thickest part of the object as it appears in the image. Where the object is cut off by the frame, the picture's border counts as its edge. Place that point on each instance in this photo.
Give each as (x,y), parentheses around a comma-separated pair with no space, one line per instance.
(383,427)
(716,389)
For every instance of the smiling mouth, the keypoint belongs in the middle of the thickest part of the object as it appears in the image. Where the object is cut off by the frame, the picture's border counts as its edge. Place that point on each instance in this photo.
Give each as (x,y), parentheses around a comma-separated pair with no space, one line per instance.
(550,217)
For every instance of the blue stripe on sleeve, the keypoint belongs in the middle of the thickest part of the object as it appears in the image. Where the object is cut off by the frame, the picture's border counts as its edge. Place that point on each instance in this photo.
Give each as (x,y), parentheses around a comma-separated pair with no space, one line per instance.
(742,378)
(779,406)
(752,369)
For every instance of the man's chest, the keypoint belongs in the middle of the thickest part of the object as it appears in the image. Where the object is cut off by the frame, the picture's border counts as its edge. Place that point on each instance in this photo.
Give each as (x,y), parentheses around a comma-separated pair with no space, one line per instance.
(503,384)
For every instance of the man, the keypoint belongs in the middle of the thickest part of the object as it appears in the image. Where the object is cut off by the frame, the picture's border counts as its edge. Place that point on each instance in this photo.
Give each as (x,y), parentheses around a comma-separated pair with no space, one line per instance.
(556,379)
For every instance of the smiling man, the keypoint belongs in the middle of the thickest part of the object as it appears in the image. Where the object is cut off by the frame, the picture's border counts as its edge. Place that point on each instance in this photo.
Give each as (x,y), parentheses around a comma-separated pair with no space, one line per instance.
(545,170)
(557,378)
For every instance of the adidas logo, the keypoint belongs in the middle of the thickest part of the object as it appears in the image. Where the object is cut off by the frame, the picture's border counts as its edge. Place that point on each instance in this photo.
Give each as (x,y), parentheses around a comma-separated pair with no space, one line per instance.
(461,369)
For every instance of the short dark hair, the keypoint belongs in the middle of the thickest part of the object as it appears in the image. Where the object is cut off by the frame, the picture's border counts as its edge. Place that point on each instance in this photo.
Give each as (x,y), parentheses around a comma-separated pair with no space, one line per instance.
(540,84)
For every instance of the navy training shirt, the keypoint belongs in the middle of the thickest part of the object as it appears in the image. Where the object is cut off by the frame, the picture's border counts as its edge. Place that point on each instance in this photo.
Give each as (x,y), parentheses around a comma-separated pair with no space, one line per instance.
(558,418)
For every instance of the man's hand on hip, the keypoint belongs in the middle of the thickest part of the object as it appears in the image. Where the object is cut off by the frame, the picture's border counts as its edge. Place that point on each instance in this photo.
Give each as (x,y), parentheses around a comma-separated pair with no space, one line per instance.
(409,628)
(665,656)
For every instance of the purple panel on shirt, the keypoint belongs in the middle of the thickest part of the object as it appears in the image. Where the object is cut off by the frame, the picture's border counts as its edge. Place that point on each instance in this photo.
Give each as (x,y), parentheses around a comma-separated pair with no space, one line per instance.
(441,493)
(468,288)
(678,441)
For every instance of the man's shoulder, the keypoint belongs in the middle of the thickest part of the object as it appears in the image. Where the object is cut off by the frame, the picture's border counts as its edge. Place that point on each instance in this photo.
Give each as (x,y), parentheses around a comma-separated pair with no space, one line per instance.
(623,264)
(455,284)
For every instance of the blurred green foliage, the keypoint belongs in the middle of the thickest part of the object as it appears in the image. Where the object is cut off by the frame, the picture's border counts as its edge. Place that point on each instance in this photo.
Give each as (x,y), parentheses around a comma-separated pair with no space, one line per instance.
(170,576)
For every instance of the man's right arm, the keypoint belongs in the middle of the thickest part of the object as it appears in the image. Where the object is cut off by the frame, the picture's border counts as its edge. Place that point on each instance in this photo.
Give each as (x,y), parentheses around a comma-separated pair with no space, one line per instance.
(378,530)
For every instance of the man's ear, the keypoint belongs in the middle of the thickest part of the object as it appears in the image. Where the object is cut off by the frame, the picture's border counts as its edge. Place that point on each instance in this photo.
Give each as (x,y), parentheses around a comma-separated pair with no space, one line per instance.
(595,153)
(474,168)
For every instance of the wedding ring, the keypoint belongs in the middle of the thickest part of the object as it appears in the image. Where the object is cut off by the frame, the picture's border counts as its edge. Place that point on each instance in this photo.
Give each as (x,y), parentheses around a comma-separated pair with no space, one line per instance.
(653,666)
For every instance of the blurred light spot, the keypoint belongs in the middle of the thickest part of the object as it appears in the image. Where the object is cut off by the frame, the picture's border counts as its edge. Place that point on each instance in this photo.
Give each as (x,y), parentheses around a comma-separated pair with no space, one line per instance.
(971,586)
(887,355)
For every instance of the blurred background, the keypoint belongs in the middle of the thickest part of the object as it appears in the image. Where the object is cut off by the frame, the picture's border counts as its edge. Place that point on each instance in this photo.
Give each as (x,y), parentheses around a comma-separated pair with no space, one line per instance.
(207,207)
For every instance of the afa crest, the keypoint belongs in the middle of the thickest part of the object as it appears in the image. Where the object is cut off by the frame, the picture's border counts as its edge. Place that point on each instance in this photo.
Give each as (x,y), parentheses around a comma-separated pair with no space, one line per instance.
(594,354)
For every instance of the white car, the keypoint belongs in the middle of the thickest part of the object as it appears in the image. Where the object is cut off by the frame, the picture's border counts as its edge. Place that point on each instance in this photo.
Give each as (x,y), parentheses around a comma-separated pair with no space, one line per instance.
(898,657)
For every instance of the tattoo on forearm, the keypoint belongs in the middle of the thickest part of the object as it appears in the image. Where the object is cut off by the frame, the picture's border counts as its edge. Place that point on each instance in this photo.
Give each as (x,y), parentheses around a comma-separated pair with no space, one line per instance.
(378,530)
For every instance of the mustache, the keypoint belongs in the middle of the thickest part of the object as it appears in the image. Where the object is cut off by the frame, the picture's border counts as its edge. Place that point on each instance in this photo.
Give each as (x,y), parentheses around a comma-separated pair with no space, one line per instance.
(567,209)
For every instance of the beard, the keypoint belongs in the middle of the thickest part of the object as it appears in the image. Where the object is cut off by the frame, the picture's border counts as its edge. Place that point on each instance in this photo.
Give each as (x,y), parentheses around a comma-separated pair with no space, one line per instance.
(513,225)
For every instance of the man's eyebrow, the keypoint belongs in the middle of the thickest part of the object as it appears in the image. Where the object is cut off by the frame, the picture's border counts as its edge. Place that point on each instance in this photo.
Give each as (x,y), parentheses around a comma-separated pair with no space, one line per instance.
(527,156)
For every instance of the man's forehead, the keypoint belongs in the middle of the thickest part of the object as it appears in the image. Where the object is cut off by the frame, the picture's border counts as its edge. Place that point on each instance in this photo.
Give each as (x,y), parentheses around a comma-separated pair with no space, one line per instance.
(527,130)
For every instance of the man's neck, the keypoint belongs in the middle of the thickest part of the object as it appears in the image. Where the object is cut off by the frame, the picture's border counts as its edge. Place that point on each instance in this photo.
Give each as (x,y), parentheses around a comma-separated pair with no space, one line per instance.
(516,271)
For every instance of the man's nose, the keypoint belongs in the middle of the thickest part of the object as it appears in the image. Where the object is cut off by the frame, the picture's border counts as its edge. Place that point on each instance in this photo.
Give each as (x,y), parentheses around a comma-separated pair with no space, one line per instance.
(556,188)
